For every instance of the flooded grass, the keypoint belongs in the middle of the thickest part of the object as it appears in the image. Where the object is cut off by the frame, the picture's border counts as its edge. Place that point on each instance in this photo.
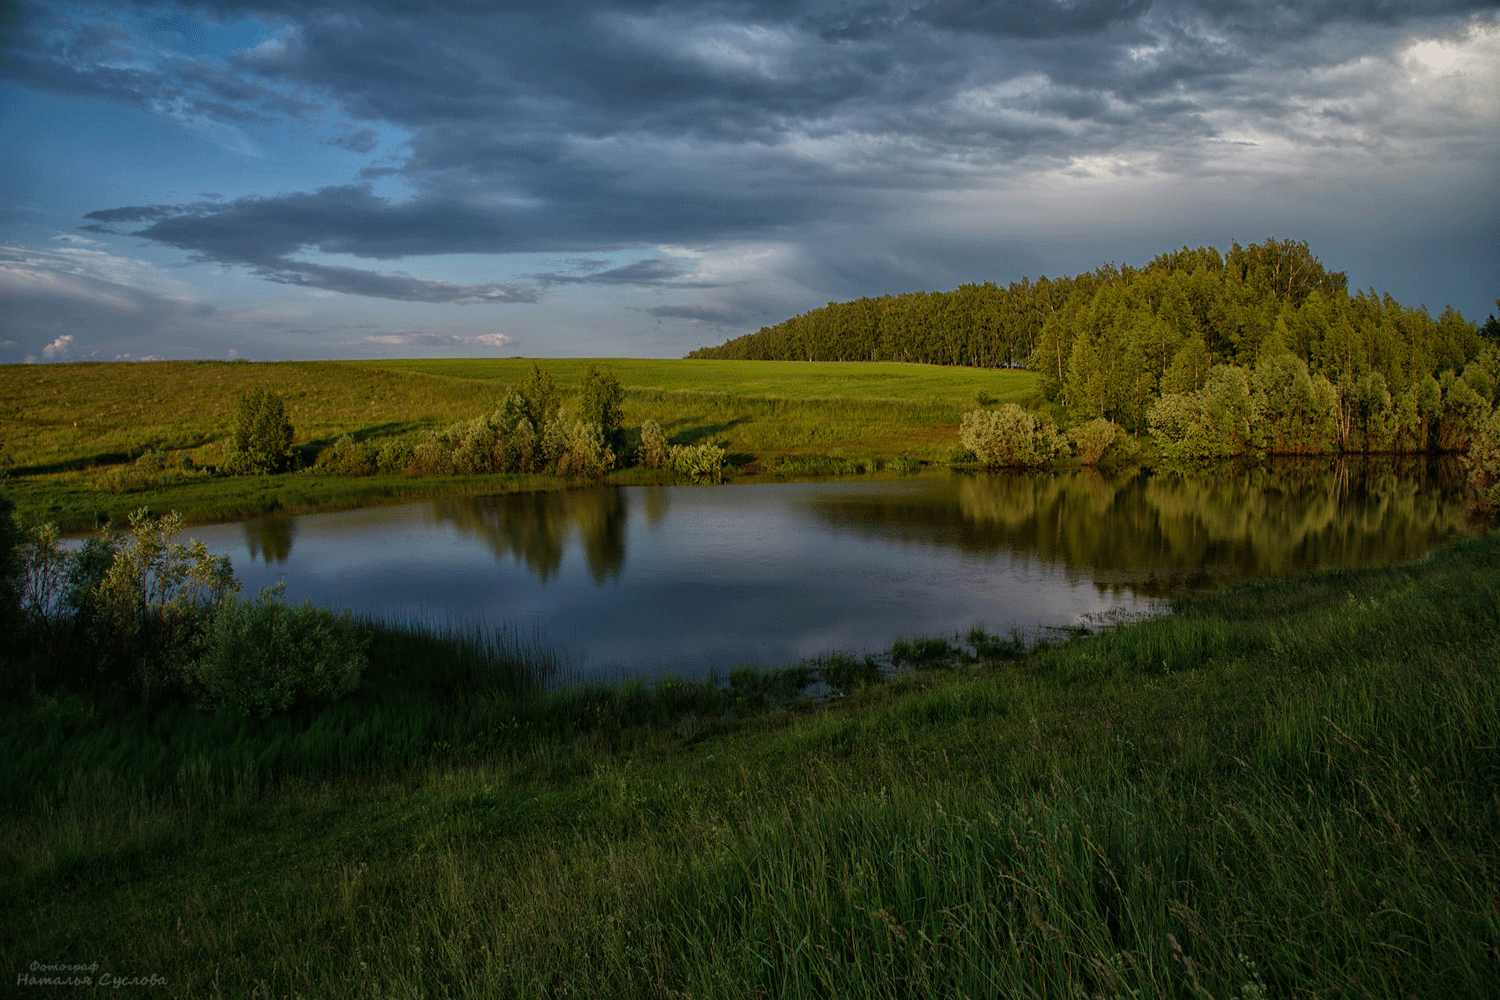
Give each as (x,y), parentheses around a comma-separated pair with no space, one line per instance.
(1282,790)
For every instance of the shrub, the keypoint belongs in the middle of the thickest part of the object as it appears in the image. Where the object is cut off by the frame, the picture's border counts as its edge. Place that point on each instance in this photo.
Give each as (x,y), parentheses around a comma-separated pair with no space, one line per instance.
(557,435)
(536,398)
(1299,413)
(151,471)
(1214,422)
(1010,437)
(1464,413)
(44,572)
(702,463)
(653,445)
(600,399)
(145,614)
(262,657)
(586,454)
(394,457)
(262,439)
(350,457)
(1092,440)
(1484,462)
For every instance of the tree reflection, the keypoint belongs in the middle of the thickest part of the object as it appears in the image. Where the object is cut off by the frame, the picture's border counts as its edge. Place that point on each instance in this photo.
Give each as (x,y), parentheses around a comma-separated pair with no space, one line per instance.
(1158,534)
(269,538)
(656,505)
(534,528)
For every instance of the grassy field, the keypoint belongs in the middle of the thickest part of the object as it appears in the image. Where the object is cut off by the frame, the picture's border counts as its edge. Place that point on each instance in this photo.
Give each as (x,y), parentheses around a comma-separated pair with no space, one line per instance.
(1287,790)
(64,429)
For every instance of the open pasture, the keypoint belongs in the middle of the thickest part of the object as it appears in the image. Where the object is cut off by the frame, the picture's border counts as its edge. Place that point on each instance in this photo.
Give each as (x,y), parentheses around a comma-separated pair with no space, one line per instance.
(65,428)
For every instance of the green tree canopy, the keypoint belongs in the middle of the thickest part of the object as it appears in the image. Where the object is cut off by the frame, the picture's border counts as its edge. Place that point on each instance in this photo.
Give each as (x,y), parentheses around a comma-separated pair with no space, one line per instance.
(601,401)
(263,434)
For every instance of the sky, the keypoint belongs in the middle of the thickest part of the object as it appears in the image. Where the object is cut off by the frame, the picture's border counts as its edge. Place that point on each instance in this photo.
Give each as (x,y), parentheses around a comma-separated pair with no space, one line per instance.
(282,179)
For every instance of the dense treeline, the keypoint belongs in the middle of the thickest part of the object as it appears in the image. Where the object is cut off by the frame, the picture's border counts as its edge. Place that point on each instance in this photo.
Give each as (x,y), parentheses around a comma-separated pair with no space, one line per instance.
(1258,350)
(1230,300)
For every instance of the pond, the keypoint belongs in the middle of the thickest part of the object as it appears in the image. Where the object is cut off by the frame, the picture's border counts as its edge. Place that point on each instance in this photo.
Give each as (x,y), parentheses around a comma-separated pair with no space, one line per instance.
(653,580)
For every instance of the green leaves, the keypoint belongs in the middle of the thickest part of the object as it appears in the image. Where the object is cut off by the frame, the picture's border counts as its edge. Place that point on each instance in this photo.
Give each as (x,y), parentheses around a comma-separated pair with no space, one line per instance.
(263,657)
(1010,437)
(600,401)
(262,441)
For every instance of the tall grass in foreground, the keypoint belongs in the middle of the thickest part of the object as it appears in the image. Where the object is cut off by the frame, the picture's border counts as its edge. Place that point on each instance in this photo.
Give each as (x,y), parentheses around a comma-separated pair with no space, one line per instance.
(1283,791)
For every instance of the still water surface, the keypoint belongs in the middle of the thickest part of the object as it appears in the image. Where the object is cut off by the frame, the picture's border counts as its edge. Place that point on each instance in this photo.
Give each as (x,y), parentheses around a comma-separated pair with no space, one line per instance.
(682,579)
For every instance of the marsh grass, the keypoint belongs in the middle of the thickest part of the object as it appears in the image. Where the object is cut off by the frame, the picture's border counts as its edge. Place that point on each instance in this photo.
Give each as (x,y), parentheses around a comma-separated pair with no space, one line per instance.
(1282,791)
(72,435)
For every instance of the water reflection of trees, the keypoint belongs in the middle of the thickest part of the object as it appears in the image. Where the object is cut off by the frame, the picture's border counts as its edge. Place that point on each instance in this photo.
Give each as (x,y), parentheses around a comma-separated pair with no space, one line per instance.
(1162,533)
(269,538)
(534,528)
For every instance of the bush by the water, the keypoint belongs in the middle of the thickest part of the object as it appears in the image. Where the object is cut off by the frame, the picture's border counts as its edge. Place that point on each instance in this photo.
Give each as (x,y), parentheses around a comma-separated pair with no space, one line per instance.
(1010,437)
(653,450)
(149,617)
(1209,423)
(351,457)
(131,606)
(261,657)
(262,439)
(1484,462)
(600,399)
(1096,439)
(702,463)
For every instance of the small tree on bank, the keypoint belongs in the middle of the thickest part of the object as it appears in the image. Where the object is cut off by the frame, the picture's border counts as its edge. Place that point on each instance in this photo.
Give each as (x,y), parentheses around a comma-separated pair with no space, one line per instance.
(262,440)
(601,401)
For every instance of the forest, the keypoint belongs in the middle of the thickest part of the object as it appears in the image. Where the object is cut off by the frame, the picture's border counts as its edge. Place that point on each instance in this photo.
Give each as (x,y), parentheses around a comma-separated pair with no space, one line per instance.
(1259,350)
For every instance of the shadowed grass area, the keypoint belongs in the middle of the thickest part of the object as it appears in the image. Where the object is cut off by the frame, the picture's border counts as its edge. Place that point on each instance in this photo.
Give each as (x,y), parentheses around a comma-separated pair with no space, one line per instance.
(1283,790)
(67,432)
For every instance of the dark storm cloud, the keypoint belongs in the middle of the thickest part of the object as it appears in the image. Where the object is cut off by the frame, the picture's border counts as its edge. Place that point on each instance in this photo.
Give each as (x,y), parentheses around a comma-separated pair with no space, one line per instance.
(611,126)
(1031,18)
(359,140)
(651,271)
(264,234)
(51,51)
(357,281)
(709,315)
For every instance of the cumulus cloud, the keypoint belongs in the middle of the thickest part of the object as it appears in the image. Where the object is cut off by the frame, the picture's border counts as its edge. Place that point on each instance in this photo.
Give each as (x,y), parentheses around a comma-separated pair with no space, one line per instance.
(58,349)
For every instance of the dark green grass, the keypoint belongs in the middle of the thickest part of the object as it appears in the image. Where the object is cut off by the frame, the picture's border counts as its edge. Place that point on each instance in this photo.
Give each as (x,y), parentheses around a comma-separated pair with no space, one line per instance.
(1285,790)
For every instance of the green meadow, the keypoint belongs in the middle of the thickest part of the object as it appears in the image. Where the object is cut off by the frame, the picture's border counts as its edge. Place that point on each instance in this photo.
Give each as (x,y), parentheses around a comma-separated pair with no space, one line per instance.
(66,431)
(1282,790)
(1286,790)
